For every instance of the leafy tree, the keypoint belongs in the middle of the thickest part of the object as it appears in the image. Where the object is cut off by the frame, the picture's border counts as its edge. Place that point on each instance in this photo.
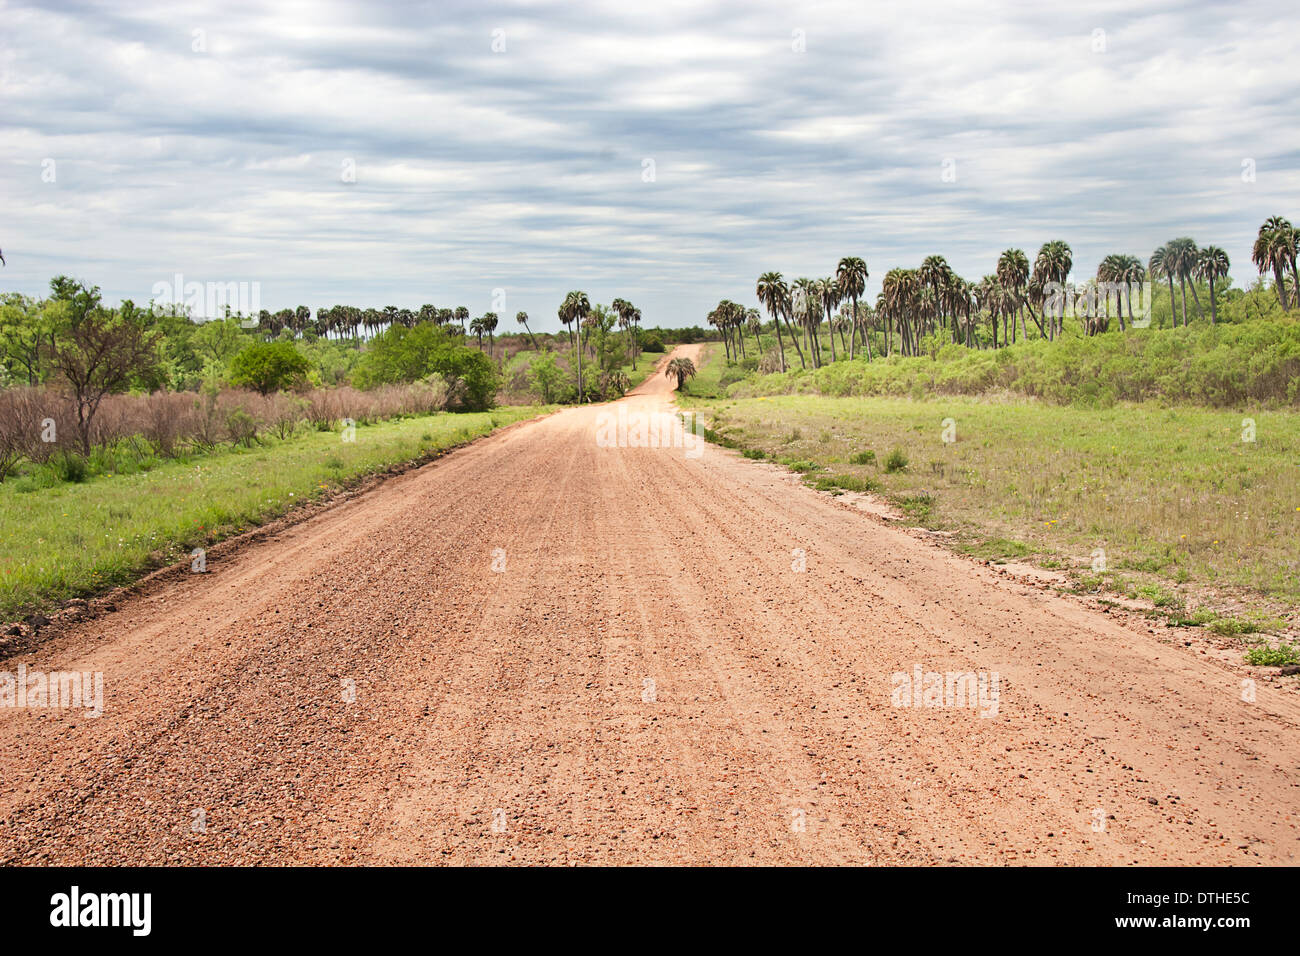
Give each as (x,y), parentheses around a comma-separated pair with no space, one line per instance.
(269,367)
(219,340)
(94,351)
(399,354)
(545,375)
(24,332)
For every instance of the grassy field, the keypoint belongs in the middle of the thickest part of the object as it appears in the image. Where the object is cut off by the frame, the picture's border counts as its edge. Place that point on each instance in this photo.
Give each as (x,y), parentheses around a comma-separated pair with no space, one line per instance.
(78,539)
(1167,504)
(712,366)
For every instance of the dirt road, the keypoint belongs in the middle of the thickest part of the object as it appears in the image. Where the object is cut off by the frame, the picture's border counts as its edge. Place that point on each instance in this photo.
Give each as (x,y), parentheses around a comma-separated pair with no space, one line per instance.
(544,650)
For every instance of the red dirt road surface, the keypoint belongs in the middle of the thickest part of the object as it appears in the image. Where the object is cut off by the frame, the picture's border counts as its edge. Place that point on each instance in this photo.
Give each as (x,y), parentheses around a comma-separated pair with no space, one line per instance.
(544,650)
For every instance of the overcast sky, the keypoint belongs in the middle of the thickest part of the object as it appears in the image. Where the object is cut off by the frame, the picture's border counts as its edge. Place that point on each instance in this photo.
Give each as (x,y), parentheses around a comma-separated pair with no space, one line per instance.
(664,152)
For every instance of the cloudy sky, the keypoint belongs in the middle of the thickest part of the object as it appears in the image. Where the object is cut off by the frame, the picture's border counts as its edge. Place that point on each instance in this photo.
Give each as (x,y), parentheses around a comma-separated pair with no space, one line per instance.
(665,152)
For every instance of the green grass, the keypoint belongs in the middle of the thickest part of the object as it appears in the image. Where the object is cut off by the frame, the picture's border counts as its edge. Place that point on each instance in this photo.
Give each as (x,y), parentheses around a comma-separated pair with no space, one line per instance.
(1173,497)
(81,538)
(840,483)
(1228,365)
(1264,656)
(645,366)
(708,374)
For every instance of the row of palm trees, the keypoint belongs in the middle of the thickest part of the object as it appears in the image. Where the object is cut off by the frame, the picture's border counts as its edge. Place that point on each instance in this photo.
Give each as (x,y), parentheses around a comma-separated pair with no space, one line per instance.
(932,299)
(351,322)
(808,302)
(574,313)
(1276,247)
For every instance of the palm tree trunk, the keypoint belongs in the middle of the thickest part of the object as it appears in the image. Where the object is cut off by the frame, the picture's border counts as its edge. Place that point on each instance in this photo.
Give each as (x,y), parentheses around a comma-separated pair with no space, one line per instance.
(794,338)
(780,342)
(1036,321)
(1196,300)
(853,332)
(1182,287)
(1280,283)
(579,370)
(1214,312)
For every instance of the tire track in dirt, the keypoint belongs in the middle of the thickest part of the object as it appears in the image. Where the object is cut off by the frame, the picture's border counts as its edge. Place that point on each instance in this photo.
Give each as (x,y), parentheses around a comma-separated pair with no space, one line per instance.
(521,691)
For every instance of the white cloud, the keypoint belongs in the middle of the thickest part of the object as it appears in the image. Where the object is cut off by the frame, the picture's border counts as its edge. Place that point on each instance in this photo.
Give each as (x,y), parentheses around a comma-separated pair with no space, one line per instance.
(523,168)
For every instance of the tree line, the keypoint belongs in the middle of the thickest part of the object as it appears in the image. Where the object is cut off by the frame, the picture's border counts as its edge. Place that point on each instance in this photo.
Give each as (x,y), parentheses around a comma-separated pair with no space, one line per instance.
(1020,299)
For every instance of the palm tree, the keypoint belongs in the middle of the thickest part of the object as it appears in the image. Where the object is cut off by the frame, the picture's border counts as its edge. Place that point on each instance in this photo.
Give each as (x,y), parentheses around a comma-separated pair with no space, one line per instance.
(851,273)
(933,274)
(714,319)
(681,369)
(572,311)
(754,322)
(477,329)
(1053,265)
(522,319)
(636,334)
(1159,266)
(1133,273)
(1012,274)
(624,309)
(829,292)
(803,293)
(773,293)
(989,298)
(1180,258)
(490,325)
(1111,271)
(1212,264)
(1275,248)
(901,301)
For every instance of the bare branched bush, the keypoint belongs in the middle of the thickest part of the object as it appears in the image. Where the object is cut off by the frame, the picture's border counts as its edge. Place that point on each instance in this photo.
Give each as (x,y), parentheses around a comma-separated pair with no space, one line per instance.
(323,410)
(284,413)
(39,423)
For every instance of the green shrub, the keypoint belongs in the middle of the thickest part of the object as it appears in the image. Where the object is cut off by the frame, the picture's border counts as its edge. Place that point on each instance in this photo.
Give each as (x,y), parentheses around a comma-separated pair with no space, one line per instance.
(846,483)
(1280,656)
(799,466)
(399,354)
(919,506)
(896,461)
(69,466)
(863,458)
(1226,365)
(269,367)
